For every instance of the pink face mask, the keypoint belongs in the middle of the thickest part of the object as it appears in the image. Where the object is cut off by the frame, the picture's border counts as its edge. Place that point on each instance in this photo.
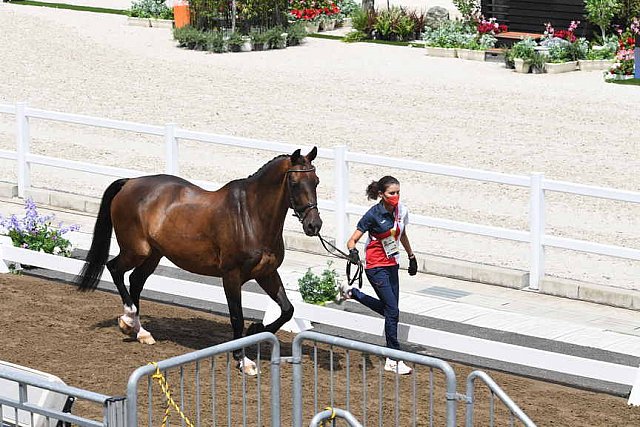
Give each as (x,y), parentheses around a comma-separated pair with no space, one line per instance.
(393,200)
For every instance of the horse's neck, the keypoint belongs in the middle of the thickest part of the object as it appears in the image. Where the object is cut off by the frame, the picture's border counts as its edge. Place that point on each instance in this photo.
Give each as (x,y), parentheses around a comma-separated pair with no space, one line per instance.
(271,197)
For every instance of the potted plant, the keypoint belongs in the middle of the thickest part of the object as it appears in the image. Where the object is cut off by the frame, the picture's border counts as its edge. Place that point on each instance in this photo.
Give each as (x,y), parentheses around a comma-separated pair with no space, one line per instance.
(601,13)
(235,42)
(276,38)
(522,54)
(258,39)
(321,289)
(537,63)
(599,57)
(444,40)
(474,47)
(296,33)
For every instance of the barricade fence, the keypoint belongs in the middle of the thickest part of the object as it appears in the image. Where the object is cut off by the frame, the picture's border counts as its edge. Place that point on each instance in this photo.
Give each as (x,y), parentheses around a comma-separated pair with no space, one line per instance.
(536,183)
(206,388)
(28,400)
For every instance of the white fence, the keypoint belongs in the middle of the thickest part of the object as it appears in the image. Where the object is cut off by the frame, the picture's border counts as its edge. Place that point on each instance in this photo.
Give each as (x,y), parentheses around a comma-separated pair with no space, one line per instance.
(340,206)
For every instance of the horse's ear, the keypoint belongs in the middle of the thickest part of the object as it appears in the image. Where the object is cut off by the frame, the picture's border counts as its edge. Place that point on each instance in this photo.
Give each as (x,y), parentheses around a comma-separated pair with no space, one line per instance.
(295,157)
(312,154)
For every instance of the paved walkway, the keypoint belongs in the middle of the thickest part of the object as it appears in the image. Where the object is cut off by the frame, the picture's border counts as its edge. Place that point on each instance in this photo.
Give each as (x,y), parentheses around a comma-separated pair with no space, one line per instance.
(609,333)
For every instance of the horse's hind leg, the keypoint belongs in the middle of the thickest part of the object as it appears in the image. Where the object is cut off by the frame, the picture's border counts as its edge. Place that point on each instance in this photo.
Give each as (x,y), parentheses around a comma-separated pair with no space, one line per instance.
(136,282)
(272,285)
(117,267)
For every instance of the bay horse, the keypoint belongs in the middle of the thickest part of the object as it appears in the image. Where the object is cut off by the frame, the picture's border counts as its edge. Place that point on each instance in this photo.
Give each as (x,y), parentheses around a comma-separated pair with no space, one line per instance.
(234,233)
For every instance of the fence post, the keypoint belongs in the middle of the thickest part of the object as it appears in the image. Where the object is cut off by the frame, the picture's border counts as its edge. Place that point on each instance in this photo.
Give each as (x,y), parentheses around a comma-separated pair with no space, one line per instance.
(341,177)
(22,148)
(171,149)
(537,230)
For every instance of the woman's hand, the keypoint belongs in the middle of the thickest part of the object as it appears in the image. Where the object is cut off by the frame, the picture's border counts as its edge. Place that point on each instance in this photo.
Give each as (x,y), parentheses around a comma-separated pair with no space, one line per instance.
(413,265)
(354,256)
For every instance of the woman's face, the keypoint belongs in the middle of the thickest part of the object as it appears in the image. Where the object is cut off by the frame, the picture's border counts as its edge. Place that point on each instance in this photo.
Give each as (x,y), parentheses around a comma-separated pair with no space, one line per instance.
(392,190)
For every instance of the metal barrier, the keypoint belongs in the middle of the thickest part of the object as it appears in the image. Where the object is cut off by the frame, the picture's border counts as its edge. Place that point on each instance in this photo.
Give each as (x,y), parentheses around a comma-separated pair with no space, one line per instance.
(41,402)
(514,410)
(407,386)
(198,386)
(332,413)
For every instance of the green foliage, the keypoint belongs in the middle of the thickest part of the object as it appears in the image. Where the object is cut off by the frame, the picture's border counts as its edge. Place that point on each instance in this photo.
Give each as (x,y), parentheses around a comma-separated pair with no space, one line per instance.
(354,36)
(524,49)
(448,34)
(214,41)
(319,289)
(347,7)
(296,33)
(192,38)
(150,9)
(363,20)
(537,61)
(235,42)
(469,9)
(601,13)
(275,39)
(605,51)
(258,38)
(627,11)
(564,51)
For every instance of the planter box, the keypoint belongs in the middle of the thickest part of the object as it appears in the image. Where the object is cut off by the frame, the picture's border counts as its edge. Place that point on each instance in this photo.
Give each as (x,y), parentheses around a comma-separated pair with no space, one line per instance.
(312,27)
(470,54)
(442,52)
(521,66)
(150,22)
(595,64)
(560,67)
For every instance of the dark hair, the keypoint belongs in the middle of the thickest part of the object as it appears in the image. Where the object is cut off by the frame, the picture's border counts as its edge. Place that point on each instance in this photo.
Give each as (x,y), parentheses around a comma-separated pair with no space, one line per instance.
(380,186)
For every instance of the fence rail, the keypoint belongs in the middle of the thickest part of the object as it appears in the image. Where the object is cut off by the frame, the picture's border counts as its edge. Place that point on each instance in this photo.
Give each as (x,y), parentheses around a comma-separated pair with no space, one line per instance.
(535,236)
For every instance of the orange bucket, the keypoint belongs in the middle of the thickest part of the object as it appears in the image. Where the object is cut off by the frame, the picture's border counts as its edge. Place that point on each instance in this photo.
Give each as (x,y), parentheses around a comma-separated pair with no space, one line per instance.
(181,15)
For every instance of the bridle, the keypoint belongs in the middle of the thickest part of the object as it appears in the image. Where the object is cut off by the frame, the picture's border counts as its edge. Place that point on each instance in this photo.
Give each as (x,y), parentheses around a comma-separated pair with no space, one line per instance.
(300,212)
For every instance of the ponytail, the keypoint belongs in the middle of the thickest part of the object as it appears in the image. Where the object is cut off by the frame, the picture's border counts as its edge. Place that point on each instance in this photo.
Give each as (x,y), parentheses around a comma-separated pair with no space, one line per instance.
(381,185)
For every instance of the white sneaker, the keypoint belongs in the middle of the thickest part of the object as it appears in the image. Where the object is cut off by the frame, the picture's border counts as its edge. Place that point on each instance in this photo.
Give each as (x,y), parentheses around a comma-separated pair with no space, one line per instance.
(398,367)
(345,291)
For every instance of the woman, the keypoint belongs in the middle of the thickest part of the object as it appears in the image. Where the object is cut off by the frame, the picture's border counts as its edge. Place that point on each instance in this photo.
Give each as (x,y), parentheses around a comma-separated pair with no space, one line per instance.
(385,224)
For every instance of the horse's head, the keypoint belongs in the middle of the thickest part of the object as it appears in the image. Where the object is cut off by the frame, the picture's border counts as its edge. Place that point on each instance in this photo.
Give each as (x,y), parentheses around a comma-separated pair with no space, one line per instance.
(301,185)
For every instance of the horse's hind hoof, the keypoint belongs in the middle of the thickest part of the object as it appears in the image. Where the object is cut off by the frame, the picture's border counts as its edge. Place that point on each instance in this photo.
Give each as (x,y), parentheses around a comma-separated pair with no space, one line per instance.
(146,339)
(255,328)
(124,328)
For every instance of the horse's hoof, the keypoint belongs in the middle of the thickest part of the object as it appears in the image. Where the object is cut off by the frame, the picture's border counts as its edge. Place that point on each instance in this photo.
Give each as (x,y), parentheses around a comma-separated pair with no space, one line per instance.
(146,339)
(247,366)
(255,328)
(124,327)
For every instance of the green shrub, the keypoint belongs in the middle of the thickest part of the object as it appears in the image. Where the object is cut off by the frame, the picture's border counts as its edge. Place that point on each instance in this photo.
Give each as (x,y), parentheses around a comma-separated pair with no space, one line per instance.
(275,39)
(190,38)
(150,9)
(235,42)
(354,36)
(296,33)
(524,49)
(214,41)
(319,289)
(448,34)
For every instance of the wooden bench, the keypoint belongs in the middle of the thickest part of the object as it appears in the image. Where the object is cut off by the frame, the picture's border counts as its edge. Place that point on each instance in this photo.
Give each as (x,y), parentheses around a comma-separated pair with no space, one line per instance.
(508,38)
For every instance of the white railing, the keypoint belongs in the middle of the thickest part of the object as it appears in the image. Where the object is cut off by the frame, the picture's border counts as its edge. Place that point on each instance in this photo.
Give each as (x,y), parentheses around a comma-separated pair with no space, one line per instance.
(536,183)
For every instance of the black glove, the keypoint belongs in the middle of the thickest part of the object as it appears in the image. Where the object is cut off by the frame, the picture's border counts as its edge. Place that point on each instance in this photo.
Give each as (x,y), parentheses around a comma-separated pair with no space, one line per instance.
(413,266)
(354,257)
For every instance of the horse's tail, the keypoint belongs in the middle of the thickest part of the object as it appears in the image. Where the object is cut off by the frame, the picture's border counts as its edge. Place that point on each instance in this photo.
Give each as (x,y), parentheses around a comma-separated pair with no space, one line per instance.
(98,254)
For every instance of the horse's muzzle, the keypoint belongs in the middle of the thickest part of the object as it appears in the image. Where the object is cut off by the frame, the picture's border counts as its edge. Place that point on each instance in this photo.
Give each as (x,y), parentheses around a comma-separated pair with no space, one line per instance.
(312,223)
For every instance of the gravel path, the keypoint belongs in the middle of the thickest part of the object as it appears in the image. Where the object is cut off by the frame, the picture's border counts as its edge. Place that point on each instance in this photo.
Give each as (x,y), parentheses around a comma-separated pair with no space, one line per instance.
(376,99)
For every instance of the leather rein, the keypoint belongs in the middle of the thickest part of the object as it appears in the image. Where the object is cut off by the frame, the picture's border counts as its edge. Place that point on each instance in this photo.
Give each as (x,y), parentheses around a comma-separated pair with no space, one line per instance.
(301,213)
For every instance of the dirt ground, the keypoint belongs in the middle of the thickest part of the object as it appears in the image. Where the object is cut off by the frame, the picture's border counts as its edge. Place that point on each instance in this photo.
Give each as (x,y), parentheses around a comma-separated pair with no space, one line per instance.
(74,336)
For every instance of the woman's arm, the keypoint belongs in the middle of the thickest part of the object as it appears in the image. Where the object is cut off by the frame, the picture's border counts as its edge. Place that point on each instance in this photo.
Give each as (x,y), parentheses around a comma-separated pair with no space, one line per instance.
(404,239)
(351,243)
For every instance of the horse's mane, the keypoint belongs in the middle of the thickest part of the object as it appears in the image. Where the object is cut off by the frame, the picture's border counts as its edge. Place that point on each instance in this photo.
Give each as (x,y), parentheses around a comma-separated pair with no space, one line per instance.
(263,167)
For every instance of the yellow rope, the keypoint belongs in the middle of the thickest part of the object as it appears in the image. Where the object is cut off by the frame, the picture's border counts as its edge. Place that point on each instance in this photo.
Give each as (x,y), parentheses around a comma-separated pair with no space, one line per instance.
(333,414)
(170,402)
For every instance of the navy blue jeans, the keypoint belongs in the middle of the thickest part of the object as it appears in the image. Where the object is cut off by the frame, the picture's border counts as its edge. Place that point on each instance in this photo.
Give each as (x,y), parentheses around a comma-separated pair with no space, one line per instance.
(387,286)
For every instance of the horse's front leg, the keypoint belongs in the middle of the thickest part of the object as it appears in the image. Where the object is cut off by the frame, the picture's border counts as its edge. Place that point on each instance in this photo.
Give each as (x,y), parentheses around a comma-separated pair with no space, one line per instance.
(272,285)
(233,293)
